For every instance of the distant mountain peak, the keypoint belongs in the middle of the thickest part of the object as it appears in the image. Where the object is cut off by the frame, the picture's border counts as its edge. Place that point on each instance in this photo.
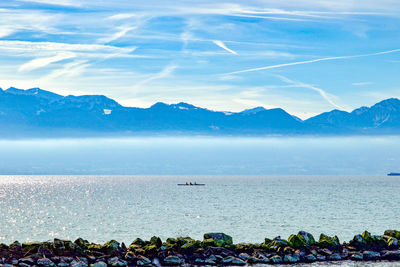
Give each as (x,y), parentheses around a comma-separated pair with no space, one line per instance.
(34,92)
(40,110)
(253,110)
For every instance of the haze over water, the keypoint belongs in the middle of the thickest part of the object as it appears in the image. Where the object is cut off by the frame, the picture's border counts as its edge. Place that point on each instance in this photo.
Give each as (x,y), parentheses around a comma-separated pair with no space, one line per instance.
(203,155)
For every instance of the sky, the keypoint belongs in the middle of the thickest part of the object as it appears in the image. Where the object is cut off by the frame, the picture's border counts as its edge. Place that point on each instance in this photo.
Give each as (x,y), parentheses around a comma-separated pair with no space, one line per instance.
(305,56)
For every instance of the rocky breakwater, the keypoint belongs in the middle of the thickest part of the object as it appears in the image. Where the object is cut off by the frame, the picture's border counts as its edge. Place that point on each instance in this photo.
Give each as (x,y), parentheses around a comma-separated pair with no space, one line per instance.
(214,249)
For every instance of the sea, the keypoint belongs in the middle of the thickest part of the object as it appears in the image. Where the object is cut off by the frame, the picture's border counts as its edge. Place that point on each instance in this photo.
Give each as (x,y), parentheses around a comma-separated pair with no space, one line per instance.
(255,188)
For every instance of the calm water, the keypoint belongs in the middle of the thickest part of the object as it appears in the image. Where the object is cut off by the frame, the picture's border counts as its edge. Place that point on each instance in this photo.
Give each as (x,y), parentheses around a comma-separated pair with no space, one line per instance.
(249,208)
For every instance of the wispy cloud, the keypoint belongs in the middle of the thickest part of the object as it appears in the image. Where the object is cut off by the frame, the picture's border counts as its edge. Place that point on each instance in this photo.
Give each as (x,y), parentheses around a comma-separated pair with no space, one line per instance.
(71,69)
(28,48)
(122,16)
(73,3)
(223,46)
(165,72)
(122,31)
(327,97)
(313,61)
(362,83)
(44,61)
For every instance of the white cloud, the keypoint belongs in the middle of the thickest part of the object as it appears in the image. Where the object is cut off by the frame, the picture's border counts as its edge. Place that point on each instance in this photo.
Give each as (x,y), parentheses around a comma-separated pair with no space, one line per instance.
(121,16)
(71,69)
(73,3)
(223,46)
(165,72)
(362,83)
(320,91)
(44,61)
(313,61)
(47,49)
(122,31)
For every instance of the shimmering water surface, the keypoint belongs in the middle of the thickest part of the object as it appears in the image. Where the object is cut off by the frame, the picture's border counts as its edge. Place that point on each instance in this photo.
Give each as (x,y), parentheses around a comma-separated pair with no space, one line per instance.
(101,208)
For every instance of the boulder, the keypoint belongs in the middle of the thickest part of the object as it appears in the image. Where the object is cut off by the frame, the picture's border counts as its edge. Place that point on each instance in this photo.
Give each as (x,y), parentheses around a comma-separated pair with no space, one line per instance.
(291,258)
(143,261)
(329,242)
(334,257)
(220,239)
(111,246)
(371,255)
(45,262)
(83,244)
(99,264)
(393,233)
(276,259)
(231,261)
(356,256)
(391,255)
(156,241)
(116,262)
(173,261)
(310,258)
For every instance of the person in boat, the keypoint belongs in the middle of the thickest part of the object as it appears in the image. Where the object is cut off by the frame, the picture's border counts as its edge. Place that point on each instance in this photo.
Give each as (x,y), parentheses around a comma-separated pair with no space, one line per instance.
(191,183)
(195,183)
(187,183)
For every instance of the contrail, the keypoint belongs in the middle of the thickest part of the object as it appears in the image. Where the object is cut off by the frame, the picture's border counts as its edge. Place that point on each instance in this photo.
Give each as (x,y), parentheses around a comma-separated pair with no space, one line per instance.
(223,46)
(312,61)
(320,91)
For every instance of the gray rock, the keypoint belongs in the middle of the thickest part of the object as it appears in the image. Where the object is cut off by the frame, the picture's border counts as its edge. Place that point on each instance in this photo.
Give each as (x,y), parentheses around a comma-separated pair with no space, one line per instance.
(29,261)
(276,259)
(244,256)
(371,255)
(212,257)
(199,261)
(45,262)
(310,258)
(334,257)
(75,263)
(357,256)
(391,255)
(143,261)
(173,260)
(63,264)
(291,259)
(320,257)
(116,262)
(99,264)
(230,260)
(67,259)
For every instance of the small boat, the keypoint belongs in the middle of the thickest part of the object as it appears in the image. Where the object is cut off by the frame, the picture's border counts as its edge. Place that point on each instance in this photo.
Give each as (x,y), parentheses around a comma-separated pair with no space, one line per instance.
(191,184)
(394,174)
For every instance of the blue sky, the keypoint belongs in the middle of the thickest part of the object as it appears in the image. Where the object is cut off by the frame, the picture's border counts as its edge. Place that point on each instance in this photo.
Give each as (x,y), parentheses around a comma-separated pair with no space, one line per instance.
(305,56)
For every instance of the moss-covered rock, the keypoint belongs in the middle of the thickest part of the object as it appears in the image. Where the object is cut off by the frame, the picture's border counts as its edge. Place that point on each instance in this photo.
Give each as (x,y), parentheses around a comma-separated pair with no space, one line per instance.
(393,233)
(156,241)
(111,246)
(150,249)
(31,247)
(83,244)
(220,239)
(192,245)
(94,247)
(295,242)
(328,242)
(138,242)
(209,242)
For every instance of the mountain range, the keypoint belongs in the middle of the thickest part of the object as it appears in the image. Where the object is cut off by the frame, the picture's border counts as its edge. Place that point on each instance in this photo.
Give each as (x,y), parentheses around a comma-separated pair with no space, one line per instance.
(36,112)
